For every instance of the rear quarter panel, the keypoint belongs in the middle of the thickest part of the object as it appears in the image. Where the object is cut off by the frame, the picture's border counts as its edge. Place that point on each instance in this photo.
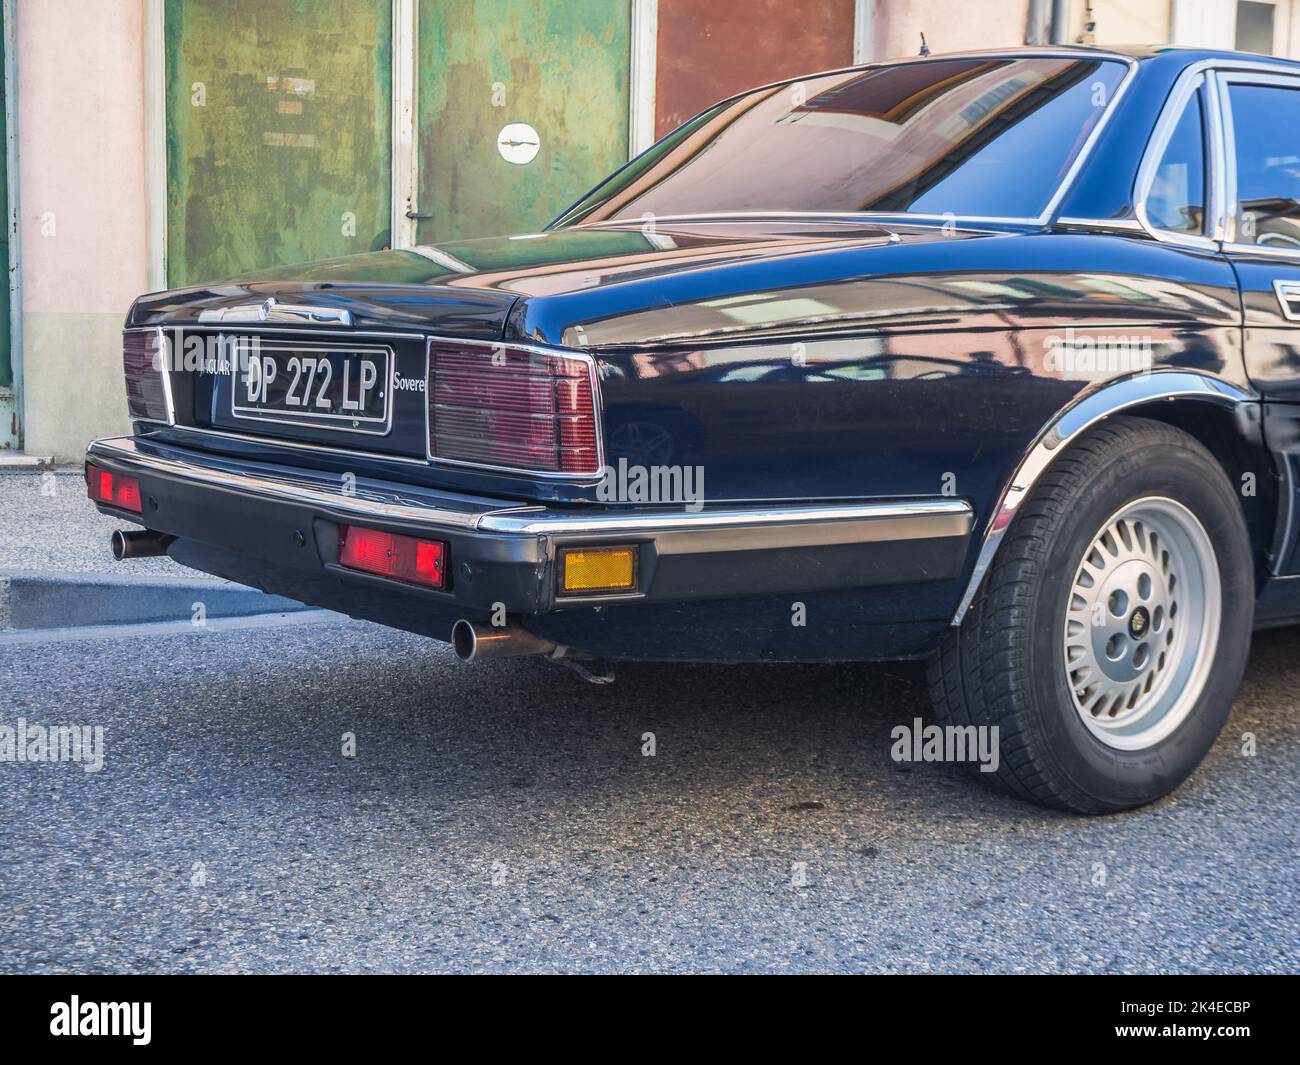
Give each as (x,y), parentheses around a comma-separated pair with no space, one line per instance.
(894,370)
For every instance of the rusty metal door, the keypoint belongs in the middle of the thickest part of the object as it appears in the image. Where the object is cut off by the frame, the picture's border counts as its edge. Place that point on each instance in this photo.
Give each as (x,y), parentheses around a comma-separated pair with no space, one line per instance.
(522,105)
(279,132)
(707,52)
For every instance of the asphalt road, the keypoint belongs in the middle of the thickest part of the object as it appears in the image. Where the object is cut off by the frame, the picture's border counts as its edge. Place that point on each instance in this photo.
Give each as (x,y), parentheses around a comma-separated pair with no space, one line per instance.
(46,524)
(502,816)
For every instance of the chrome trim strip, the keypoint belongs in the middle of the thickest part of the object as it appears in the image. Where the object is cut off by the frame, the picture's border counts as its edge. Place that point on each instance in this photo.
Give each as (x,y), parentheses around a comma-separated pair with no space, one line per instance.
(1285,533)
(589,477)
(1104,225)
(414,333)
(168,361)
(777,215)
(1085,413)
(1222,169)
(684,533)
(1180,96)
(272,310)
(674,532)
(1286,291)
(1268,251)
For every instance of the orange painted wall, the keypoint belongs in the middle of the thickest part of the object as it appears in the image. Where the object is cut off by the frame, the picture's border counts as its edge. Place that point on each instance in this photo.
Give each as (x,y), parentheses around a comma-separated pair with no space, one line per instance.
(707,52)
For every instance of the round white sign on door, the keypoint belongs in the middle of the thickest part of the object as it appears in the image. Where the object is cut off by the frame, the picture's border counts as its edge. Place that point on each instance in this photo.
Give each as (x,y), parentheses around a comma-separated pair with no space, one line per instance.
(518,143)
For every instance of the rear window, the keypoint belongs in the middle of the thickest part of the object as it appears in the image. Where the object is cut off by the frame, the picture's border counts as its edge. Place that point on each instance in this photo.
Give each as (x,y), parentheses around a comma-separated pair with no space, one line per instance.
(988,137)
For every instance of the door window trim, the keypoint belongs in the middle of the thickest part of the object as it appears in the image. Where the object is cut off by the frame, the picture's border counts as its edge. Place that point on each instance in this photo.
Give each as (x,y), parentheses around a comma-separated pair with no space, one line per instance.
(1227,78)
(1181,97)
(1221,185)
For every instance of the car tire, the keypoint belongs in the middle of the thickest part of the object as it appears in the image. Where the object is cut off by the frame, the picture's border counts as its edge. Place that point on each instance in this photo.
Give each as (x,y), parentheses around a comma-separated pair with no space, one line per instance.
(1132,507)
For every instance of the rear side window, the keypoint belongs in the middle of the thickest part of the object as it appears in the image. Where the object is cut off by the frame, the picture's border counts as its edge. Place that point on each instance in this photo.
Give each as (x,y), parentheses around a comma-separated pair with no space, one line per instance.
(977,136)
(1266,132)
(1176,200)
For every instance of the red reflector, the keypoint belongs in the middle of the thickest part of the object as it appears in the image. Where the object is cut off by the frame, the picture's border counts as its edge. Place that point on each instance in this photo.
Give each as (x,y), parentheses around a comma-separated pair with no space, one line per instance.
(113,489)
(403,558)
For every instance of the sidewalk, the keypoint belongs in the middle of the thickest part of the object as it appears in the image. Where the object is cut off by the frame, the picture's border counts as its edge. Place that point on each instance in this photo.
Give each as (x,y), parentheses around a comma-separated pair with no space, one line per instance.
(56,569)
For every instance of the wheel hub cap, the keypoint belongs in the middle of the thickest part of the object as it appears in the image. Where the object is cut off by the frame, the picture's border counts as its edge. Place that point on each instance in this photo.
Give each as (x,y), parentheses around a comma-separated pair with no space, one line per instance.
(1142,623)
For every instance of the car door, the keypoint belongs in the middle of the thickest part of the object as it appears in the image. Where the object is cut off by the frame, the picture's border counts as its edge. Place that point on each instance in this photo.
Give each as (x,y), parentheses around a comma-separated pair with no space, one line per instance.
(1262,134)
(1261,119)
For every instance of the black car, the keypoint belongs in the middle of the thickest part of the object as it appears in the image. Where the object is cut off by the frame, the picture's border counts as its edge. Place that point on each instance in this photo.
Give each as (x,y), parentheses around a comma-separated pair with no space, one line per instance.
(990,359)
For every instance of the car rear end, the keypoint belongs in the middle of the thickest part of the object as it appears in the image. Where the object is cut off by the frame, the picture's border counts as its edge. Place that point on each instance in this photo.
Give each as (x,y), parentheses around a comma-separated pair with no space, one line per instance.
(419,480)
(285,438)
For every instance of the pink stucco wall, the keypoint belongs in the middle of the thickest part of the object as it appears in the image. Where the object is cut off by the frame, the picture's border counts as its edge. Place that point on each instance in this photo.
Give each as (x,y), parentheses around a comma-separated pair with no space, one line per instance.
(81,165)
(948,25)
(81,151)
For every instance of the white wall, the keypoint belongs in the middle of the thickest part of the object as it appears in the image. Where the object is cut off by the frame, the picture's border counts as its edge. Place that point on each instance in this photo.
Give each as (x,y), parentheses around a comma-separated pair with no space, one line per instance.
(1125,21)
(948,25)
(1204,23)
(81,213)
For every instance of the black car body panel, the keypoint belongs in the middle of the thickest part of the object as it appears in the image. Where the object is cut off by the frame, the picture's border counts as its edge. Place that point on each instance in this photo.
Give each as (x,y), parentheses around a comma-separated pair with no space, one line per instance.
(800,359)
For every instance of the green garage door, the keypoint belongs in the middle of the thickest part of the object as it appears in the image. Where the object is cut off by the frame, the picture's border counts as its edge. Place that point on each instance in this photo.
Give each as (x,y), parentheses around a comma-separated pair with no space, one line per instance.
(278,132)
(523,106)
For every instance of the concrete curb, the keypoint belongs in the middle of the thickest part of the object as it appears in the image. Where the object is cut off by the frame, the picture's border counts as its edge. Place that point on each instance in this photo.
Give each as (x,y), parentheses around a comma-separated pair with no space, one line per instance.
(46,600)
(21,462)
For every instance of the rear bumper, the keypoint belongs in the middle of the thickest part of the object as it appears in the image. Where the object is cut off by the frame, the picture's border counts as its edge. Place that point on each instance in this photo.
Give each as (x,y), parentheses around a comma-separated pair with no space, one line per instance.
(285,520)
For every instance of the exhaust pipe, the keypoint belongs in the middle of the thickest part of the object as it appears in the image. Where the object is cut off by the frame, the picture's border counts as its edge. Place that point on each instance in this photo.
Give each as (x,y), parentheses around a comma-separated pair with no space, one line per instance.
(473,641)
(139,543)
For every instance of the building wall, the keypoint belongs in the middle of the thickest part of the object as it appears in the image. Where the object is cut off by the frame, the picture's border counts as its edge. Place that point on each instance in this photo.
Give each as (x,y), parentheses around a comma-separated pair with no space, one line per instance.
(1203,23)
(84,199)
(948,25)
(1123,21)
(82,213)
(709,51)
(278,124)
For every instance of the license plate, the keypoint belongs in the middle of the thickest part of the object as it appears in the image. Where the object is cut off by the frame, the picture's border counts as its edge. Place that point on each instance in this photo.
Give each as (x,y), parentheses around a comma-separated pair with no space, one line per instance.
(347,388)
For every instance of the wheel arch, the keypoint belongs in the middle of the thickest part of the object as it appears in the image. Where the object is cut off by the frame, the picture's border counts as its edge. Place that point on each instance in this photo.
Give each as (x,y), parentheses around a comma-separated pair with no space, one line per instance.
(1224,417)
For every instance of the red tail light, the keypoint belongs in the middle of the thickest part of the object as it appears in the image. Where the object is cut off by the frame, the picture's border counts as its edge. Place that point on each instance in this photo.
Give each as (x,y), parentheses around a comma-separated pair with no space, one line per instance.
(403,558)
(514,409)
(144,358)
(112,489)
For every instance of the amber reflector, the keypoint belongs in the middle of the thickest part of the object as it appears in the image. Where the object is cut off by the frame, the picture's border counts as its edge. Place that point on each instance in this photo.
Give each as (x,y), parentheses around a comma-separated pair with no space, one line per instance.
(598,569)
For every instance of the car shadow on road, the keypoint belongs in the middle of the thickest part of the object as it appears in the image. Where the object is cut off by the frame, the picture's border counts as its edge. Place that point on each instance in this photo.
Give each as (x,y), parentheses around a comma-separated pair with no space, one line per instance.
(795,738)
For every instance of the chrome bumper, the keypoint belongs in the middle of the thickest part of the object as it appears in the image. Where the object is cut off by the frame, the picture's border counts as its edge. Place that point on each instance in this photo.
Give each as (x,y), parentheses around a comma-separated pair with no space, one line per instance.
(187,479)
